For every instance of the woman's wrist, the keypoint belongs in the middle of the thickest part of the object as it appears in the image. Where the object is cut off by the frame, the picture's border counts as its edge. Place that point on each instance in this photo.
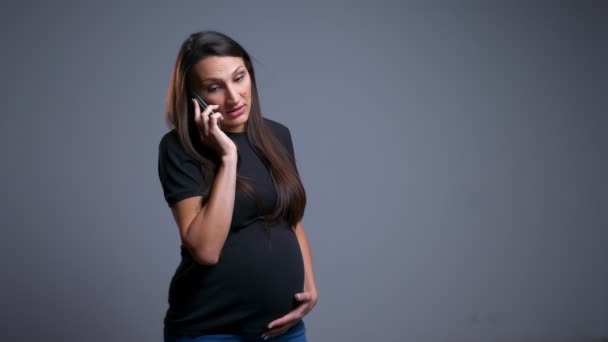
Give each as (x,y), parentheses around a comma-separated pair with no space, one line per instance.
(310,287)
(230,158)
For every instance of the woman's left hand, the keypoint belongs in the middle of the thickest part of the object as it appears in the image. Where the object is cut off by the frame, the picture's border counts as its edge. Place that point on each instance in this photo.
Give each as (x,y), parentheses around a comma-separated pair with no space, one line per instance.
(307,299)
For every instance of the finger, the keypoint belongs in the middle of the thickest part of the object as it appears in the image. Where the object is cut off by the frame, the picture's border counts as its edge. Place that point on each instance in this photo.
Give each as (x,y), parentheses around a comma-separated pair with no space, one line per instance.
(303,296)
(198,117)
(210,108)
(220,118)
(304,308)
(205,120)
(275,332)
(215,119)
(205,115)
(278,331)
(197,112)
(197,108)
(307,310)
(294,315)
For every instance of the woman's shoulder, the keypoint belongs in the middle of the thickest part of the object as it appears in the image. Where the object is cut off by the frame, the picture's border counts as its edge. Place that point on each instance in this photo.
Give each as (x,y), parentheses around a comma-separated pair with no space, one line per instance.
(170,144)
(170,138)
(278,128)
(282,133)
(171,141)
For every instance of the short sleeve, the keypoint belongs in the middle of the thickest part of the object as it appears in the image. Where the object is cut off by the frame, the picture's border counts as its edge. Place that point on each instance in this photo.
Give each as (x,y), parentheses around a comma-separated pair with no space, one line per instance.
(284,135)
(289,145)
(180,174)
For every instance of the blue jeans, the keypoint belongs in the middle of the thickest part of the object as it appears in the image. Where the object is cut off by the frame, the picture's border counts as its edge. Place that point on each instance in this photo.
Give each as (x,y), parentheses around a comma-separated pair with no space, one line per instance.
(297,333)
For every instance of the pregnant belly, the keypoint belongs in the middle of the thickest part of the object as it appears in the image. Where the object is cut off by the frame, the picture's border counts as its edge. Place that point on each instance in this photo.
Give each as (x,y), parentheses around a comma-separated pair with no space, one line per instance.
(253,283)
(266,269)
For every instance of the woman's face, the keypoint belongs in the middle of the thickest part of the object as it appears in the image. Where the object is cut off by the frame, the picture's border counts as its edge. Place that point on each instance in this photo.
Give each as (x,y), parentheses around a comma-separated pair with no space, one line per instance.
(225,81)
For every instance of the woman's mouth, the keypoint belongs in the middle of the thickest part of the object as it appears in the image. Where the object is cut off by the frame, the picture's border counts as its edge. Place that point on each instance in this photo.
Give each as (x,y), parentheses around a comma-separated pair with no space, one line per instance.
(236,111)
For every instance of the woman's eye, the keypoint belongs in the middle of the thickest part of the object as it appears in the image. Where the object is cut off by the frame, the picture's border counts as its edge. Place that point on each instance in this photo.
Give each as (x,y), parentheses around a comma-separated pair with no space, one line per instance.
(212,89)
(240,78)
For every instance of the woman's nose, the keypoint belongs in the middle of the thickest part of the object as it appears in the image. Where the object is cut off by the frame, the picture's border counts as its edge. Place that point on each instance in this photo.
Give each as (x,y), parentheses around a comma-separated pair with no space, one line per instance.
(233,96)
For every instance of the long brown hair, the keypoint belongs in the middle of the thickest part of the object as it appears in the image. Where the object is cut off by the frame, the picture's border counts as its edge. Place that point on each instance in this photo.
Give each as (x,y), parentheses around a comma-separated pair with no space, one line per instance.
(291,197)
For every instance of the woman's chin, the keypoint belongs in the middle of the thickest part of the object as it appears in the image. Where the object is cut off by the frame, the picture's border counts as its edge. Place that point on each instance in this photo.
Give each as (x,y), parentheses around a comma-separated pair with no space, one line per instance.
(235,125)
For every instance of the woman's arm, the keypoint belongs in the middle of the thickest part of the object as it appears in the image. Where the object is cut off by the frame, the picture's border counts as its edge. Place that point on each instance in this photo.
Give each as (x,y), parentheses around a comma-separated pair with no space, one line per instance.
(203,230)
(310,284)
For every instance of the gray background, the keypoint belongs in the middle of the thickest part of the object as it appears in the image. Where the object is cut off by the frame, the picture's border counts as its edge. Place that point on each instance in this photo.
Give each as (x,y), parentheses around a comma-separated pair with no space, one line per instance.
(454,158)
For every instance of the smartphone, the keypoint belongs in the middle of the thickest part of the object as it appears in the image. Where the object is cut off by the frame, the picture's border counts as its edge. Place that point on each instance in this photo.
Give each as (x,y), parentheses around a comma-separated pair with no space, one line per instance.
(202,104)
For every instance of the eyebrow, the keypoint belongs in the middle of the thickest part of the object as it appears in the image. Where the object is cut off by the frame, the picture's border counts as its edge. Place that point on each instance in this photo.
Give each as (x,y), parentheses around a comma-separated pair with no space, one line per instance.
(209,79)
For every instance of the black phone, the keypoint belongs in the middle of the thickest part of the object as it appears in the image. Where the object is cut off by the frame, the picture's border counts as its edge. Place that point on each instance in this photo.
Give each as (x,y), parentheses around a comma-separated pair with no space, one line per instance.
(203,105)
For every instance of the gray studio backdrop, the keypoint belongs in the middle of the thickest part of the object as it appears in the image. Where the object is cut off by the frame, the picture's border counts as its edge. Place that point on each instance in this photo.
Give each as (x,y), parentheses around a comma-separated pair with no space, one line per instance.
(454,158)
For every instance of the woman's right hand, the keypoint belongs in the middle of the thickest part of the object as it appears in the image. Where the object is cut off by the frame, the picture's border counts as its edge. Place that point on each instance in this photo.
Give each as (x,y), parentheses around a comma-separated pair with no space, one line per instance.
(210,132)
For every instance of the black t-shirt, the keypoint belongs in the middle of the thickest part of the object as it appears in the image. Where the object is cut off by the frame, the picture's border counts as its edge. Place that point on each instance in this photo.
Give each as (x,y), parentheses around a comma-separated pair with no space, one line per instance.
(257,275)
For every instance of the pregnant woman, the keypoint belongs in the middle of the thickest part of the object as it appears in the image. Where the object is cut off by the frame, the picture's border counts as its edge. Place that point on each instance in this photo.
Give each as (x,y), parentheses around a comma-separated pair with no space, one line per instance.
(230,179)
